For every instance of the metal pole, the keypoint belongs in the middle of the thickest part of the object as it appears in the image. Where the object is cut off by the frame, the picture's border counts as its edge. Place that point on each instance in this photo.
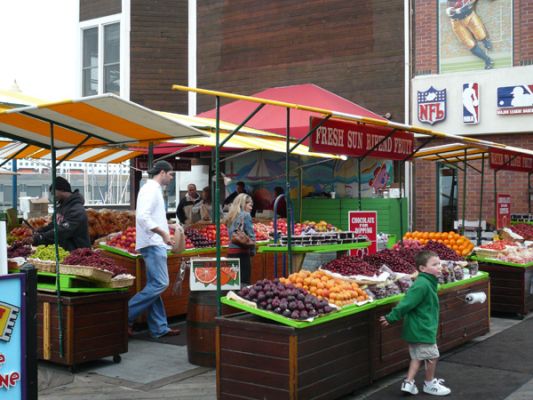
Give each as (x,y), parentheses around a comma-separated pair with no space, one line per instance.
(496,197)
(56,241)
(481,201)
(529,189)
(14,182)
(464,195)
(359,183)
(402,165)
(30,301)
(288,191)
(150,154)
(217,200)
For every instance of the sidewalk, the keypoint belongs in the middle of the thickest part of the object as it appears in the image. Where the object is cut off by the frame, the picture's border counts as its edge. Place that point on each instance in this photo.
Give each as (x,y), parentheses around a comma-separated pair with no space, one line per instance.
(496,366)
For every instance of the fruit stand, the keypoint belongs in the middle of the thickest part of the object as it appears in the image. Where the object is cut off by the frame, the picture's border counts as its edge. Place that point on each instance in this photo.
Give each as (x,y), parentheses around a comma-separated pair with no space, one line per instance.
(510,265)
(335,354)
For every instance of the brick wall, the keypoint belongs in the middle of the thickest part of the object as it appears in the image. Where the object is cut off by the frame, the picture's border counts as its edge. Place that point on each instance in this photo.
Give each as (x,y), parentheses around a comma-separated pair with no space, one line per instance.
(90,9)
(159,53)
(425,41)
(352,48)
(523,32)
(508,182)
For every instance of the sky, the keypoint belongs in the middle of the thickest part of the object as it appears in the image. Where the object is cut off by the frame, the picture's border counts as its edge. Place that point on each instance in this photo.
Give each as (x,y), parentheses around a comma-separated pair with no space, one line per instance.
(38,47)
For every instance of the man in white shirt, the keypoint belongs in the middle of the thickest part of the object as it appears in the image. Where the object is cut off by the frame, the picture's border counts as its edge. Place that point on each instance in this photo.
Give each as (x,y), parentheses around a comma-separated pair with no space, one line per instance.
(153,237)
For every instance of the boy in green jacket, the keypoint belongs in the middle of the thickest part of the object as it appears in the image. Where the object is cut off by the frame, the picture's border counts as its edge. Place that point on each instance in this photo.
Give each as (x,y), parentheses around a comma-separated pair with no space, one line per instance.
(420,311)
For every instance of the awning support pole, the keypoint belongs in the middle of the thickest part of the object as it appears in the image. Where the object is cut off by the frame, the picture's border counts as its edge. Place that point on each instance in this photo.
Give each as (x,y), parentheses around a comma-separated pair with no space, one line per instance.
(248,118)
(496,197)
(481,201)
(56,241)
(290,222)
(66,156)
(150,154)
(14,182)
(378,144)
(217,200)
(402,166)
(359,184)
(464,195)
(13,156)
(422,145)
(299,142)
(529,192)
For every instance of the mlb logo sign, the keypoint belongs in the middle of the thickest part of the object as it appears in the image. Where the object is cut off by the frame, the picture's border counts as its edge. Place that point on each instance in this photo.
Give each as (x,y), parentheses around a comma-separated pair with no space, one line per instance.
(515,100)
(471,103)
(432,105)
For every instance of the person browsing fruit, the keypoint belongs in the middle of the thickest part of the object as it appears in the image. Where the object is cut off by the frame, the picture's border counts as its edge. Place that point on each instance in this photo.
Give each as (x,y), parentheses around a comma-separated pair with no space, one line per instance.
(239,218)
(152,239)
(184,212)
(71,217)
(420,311)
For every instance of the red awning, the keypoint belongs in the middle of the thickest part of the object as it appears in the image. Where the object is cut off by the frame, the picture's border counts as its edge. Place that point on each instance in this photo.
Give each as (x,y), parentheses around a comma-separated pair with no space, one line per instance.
(274,119)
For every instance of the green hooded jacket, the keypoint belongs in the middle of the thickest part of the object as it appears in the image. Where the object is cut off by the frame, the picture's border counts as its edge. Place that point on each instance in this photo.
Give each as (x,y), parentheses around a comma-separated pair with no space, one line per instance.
(420,311)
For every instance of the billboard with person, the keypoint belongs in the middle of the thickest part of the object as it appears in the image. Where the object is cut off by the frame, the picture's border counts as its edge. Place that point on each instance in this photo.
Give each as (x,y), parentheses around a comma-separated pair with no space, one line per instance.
(475,34)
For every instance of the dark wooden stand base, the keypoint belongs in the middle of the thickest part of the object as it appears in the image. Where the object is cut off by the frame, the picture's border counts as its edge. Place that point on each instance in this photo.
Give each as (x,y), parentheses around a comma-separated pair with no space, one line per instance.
(259,359)
(94,326)
(510,288)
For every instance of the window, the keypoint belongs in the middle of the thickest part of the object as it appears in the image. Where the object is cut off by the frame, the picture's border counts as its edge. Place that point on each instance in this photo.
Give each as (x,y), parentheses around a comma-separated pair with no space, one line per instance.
(101,59)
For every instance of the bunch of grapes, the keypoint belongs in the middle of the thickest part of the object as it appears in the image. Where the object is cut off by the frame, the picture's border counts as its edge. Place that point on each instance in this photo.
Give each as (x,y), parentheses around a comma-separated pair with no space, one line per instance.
(20,248)
(286,300)
(48,253)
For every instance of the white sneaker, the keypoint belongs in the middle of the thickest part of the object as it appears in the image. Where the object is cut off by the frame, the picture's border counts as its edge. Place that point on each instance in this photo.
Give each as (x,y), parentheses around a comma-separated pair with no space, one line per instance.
(436,387)
(409,387)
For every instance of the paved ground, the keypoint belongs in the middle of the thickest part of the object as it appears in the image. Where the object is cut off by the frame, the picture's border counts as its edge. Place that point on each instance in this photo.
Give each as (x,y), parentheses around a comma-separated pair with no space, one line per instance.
(161,371)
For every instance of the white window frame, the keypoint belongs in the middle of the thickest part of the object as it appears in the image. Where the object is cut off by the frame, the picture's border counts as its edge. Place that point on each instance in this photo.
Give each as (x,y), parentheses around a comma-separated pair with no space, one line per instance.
(124,20)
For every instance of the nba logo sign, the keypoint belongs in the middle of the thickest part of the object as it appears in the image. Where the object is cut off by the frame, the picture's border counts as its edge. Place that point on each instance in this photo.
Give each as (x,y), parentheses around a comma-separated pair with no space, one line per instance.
(471,103)
(432,105)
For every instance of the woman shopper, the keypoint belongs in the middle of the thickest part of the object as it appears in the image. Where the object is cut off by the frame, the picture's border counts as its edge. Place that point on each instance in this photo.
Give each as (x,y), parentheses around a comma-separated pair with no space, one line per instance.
(239,218)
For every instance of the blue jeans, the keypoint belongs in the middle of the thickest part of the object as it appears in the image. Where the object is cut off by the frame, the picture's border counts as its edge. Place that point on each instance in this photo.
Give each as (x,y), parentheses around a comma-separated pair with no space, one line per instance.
(149,298)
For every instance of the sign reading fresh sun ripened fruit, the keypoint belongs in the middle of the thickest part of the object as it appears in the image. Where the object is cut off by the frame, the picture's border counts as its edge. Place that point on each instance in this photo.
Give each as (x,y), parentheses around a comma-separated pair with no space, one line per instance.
(203,274)
(12,349)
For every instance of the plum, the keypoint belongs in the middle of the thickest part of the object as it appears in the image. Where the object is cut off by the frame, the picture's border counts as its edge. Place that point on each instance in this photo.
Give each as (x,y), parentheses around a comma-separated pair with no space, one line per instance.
(277,310)
(286,313)
(295,315)
(304,314)
(292,305)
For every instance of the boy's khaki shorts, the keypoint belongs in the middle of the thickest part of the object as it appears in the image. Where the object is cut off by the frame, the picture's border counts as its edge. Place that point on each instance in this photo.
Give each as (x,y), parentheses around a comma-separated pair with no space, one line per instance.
(423,351)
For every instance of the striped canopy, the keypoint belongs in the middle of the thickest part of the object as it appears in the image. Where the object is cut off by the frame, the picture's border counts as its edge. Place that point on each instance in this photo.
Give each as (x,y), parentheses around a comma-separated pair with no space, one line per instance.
(17,150)
(96,121)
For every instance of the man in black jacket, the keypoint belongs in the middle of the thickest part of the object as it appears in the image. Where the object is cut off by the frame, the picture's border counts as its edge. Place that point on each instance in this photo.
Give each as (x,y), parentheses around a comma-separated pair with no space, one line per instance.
(71,217)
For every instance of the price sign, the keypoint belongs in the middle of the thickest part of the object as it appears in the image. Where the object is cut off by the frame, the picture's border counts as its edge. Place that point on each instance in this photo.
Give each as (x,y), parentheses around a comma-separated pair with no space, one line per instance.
(503,211)
(364,223)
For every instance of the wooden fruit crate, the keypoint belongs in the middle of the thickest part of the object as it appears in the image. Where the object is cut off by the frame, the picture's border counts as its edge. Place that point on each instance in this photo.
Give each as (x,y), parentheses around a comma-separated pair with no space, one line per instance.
(94,326)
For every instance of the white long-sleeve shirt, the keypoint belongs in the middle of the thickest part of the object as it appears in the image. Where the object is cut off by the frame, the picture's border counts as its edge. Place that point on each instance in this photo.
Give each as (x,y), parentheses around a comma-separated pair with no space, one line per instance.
(150,214)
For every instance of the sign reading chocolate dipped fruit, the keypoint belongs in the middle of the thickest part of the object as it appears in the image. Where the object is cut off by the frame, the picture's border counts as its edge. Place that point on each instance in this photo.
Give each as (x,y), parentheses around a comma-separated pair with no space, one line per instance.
(364,223)
(356,139)
(503,211)
(12,347)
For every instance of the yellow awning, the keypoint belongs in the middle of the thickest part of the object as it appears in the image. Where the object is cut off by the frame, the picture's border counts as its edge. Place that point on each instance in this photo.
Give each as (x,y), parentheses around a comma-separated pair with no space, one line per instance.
(472,142)
(106,119)
(253,143)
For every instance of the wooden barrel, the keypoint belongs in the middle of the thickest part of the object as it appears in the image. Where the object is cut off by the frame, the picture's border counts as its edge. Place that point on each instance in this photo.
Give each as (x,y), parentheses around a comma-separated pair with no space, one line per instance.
(201,313)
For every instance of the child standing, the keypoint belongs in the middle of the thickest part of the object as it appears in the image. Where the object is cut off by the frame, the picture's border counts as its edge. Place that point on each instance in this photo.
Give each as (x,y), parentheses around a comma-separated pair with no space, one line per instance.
(420,311)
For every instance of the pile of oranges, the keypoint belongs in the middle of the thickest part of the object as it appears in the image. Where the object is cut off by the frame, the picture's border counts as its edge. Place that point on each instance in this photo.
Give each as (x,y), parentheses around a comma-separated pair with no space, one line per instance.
(458,243)
(323,286)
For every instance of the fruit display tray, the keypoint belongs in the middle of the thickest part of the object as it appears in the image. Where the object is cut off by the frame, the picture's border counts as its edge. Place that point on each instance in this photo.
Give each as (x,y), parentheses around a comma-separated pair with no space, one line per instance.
(500,262)
(313,249)
(344,311)
(46,281)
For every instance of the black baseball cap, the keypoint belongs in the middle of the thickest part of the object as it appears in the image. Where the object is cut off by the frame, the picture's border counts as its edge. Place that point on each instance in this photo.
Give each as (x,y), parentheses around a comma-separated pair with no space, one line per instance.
(159,166)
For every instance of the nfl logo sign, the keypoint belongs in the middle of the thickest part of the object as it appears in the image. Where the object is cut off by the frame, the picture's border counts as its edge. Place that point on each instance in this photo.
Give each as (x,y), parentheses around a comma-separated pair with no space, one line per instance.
(432,105)
(471,103)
